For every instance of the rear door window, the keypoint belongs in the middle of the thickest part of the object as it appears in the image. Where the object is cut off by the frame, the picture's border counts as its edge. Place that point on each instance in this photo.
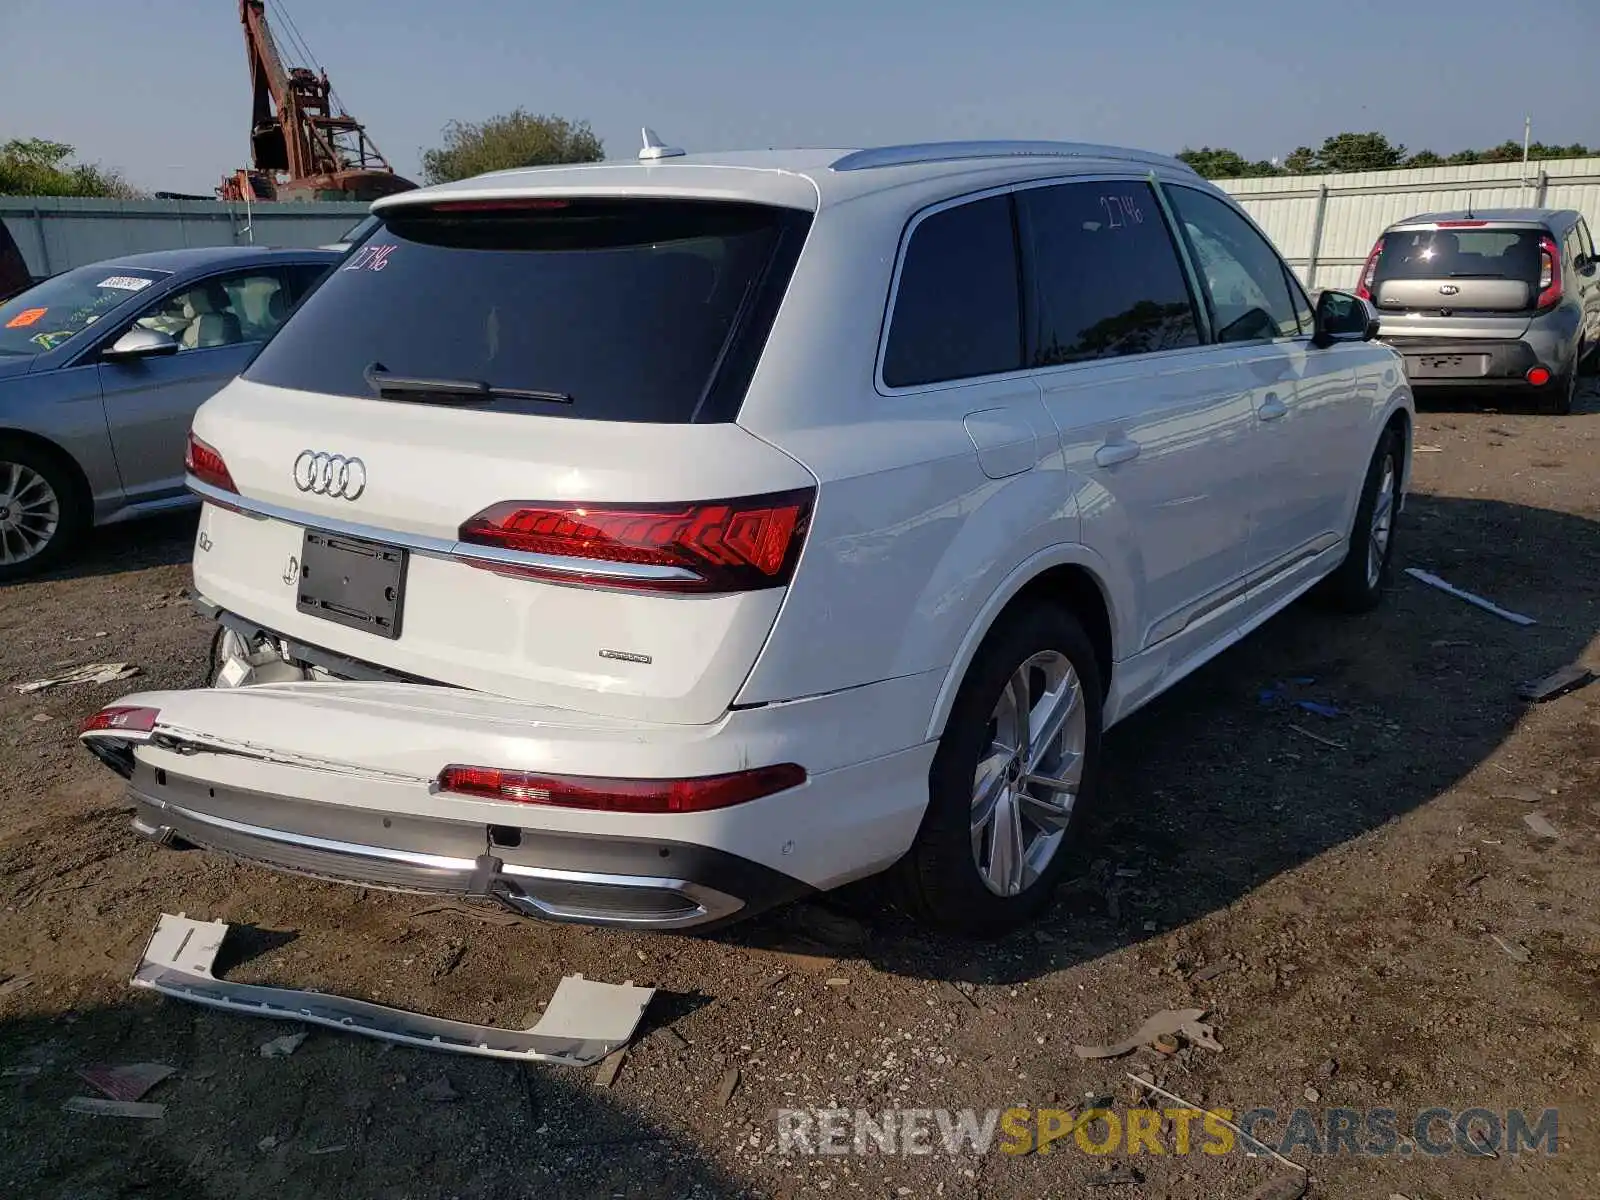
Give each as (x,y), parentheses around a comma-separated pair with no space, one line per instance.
(1245,281)
(957,311)
(634,310)
(1104,278)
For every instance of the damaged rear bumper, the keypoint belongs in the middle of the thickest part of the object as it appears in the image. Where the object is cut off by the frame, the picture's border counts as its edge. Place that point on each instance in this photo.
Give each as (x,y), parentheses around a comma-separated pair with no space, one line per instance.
(555,876)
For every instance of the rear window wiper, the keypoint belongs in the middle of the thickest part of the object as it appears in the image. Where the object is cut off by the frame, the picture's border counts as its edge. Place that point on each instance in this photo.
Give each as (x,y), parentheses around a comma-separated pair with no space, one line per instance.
(464,391)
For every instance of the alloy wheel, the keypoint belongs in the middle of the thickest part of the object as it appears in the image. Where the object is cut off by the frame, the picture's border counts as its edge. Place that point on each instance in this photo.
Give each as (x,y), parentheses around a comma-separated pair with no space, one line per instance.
(30,513)
(1028,777)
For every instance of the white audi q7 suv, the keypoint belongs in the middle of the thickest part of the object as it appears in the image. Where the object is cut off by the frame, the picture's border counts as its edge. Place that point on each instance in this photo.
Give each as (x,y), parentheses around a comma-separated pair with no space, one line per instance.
(650,543)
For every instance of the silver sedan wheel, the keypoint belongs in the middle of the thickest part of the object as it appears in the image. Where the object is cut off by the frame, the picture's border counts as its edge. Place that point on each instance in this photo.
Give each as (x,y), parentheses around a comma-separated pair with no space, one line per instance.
(1382,523)
(1028,777)
(30,513)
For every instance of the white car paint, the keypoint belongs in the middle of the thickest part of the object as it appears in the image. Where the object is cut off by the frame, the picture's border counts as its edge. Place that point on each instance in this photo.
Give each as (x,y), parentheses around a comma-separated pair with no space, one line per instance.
(1196,514)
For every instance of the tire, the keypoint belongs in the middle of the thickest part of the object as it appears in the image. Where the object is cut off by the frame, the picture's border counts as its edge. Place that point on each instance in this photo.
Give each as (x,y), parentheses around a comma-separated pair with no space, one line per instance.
(940,882)
(1563,393)
(43,513)
(1357,585)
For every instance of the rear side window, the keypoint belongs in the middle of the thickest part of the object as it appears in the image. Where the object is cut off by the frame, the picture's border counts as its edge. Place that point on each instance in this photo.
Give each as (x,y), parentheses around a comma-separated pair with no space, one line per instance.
(1460,254)
(635,310)
(1104,277)
(957,312)
(1244,279)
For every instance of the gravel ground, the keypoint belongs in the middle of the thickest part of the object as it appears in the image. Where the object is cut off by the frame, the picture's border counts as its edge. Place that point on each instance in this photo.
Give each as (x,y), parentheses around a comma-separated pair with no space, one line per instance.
(1334,890)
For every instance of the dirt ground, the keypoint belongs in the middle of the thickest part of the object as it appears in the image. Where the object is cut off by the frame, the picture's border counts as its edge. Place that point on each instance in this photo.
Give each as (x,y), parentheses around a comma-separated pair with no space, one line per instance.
(1331,888)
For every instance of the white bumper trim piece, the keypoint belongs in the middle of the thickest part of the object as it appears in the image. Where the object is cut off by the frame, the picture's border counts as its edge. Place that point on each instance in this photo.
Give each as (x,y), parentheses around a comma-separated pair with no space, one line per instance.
(583,1023)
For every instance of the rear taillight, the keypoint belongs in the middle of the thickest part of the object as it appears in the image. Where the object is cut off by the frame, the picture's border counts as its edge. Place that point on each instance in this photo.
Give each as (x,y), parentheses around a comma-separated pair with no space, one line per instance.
(621,795)
(122,718)
(205,464)
(1364,289)
(716,546)
(1549,274)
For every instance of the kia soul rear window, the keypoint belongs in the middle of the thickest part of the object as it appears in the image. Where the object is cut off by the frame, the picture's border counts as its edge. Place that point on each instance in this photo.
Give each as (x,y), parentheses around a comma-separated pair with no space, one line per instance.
(1460,254)
(598,309)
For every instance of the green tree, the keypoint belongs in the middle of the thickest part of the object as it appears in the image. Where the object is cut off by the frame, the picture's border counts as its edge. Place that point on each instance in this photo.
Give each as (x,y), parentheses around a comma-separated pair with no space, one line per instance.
(1302,160)
(514,139)
(1425,158)
(1359,152)
(37,167)
(1215,164)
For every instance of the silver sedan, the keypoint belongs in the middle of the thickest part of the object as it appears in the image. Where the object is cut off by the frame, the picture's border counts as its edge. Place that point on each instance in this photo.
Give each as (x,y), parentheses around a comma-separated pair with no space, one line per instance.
(101,370)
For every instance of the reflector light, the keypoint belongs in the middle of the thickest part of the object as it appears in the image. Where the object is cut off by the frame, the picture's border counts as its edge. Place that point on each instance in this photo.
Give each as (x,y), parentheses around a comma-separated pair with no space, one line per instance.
(703,794)
(496,205)
(125,718)
(716,546)
(205,464)
(1538,376)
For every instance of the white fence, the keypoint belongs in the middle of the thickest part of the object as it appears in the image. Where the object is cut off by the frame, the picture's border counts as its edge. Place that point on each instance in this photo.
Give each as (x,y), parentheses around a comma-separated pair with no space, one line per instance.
(1326,224)
(58,233)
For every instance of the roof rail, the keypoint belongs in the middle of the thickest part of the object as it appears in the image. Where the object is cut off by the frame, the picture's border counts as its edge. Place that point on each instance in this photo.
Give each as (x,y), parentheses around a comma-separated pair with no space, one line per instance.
(929,152)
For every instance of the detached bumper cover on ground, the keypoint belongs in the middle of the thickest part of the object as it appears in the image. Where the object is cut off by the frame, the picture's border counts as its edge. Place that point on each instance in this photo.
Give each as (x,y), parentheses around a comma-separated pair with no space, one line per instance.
(583,1023)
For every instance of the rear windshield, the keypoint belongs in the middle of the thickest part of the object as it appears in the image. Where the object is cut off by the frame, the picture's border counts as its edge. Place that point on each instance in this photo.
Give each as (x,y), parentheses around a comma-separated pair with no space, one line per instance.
(1460,254)
(631,310)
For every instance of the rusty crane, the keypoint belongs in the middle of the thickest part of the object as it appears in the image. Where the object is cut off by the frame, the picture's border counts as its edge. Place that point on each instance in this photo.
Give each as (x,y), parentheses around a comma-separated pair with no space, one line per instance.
(303,146)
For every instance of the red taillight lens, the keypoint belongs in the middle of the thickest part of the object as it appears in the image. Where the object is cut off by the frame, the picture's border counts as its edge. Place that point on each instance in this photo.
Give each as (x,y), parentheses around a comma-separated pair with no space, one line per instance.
(1364,289)
(1549,274)
(205,464)
(124,718)
(1538,376)
(622,795)
(718,546)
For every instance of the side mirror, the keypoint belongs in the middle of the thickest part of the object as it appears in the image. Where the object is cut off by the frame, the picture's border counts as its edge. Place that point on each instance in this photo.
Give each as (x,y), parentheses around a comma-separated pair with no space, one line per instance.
(141,343)
(1343,317)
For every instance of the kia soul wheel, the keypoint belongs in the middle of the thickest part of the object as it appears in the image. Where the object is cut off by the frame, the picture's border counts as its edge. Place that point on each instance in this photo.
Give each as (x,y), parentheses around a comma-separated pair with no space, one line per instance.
(1013,772)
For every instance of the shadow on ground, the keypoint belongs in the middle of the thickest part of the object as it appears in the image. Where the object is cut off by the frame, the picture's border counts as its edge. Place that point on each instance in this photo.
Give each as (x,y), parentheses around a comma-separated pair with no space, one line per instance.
(165,541)
(349,1117)
(1226,781)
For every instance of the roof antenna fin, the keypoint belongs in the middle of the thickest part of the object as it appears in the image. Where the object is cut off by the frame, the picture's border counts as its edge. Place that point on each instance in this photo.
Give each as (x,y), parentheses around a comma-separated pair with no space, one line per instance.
(655,148)
(1469,206)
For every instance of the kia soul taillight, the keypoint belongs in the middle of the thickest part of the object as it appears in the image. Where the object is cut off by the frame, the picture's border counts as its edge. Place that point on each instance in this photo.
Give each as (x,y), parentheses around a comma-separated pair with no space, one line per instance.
(707,546)
(1549,274)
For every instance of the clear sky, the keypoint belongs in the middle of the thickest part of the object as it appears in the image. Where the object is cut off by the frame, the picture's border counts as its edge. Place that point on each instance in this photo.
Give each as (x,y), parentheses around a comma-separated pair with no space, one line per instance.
(158,89)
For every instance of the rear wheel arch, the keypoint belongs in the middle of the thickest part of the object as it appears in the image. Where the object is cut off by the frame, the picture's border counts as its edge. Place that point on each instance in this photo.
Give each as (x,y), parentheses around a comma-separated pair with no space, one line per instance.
(1049,578)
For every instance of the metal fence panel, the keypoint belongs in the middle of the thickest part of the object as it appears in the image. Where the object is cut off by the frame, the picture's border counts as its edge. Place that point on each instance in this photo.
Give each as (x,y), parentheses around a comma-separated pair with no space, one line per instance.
(1326,224)
(57,233)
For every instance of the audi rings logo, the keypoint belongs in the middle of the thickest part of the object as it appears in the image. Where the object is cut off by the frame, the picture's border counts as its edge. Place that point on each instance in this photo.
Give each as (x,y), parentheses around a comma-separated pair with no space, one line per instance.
(324,474)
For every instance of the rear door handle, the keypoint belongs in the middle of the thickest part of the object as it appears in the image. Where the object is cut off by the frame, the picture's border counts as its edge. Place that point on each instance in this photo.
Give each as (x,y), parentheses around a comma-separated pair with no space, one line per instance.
(1272,408)
(1112,453)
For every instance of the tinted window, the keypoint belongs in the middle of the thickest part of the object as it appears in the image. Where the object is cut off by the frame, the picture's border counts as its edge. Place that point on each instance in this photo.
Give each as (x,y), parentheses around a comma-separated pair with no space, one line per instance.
(13,271)
(1459,254)
(1105,279)
(1242,274)
(956,312)
(639,310)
